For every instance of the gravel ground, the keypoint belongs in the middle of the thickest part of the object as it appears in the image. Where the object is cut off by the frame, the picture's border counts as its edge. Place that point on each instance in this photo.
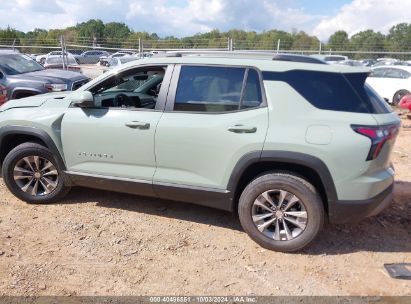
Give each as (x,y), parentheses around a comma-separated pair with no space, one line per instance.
(102,243)
(92,70)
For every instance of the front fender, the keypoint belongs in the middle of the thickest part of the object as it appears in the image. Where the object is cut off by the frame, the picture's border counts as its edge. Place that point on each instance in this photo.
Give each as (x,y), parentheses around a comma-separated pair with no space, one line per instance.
(7,131)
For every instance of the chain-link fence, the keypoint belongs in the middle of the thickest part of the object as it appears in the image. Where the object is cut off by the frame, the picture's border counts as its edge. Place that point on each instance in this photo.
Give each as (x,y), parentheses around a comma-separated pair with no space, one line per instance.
(89,50)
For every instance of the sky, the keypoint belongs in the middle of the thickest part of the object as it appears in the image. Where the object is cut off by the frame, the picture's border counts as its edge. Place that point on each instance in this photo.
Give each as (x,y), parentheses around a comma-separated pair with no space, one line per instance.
(187,17)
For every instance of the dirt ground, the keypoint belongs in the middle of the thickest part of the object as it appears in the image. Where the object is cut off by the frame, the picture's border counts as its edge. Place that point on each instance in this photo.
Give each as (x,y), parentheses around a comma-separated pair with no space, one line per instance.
(102,243)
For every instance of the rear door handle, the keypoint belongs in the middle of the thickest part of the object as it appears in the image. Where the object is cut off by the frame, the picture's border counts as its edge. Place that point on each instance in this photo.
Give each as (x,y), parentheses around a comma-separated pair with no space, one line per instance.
(138,125)
(242,129)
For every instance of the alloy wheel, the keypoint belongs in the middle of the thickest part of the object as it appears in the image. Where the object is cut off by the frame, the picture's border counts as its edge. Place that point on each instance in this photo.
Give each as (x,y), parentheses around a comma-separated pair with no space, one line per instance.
(36,175)
(279,215)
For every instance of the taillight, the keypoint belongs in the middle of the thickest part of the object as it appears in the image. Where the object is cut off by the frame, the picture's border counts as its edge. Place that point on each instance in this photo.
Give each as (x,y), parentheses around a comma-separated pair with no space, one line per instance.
(3,94)
(378,135)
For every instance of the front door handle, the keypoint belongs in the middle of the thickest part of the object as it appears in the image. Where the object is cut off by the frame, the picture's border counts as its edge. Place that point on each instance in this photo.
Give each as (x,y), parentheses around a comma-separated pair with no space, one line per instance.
(138,125)
(242,129)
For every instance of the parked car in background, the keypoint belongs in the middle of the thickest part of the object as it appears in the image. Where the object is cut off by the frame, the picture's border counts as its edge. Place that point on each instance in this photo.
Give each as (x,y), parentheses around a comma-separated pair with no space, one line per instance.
(350,62)
(387,59)
(33,56)
(91,57)
(391,82)
(75,52)
(403,63)
(368,62)
(331,58)
(104,60)
(386,63)
(42,57)
(117,61)
(56,62)
(21,76)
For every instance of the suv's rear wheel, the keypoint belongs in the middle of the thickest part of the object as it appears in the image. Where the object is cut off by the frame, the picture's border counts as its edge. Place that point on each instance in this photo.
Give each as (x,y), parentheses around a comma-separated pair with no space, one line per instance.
(281,212)
(32,174)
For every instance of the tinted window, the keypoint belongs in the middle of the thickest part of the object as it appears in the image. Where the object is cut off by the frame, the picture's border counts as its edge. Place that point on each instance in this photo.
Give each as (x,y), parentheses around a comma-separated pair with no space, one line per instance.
(378,73)
(369,97)
(252,93)
(393,73)
(381,106)
(330,91)
(209,89)
(405,74)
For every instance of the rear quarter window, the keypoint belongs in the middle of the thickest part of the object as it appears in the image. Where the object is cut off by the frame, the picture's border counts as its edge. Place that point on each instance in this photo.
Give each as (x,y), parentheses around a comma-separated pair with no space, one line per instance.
(332,91)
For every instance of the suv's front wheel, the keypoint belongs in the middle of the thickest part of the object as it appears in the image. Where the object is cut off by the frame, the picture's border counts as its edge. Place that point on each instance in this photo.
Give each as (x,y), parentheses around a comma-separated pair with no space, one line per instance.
(281,211)
(32,174)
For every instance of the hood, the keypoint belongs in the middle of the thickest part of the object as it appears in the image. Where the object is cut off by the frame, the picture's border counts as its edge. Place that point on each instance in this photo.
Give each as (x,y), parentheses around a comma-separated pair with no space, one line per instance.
(48,76)
(32,101)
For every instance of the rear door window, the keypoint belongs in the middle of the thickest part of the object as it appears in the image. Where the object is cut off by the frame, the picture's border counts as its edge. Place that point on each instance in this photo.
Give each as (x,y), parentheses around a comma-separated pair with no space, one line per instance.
(252,93)
(217,89)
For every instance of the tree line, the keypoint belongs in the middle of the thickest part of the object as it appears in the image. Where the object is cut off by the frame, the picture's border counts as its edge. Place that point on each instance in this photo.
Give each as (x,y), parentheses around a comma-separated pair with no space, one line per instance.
(119,35)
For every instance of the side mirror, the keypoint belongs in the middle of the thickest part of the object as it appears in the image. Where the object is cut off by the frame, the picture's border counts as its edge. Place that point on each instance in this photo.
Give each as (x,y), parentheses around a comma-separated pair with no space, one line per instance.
(82,99)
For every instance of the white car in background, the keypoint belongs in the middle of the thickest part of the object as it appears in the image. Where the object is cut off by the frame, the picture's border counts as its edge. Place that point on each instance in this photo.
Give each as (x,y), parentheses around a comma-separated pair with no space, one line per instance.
(104,60)
(391,82)
(42,57)
(117,61)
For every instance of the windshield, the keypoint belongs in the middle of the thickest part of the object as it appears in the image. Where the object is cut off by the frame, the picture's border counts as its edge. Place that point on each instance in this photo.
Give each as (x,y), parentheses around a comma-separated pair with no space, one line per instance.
(59,60)
(14,64)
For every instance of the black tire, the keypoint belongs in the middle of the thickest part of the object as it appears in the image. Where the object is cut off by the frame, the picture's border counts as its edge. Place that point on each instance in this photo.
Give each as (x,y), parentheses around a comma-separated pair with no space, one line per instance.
(398,96)
(16,156)
(308,200)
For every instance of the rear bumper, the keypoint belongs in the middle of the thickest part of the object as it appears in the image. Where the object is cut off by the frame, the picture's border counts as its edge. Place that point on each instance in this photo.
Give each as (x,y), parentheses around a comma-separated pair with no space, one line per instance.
(341,212)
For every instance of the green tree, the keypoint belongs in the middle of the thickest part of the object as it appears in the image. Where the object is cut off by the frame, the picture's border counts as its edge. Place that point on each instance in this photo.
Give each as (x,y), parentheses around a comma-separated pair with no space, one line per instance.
(367,41)
(338,41)
(90,29)
(303,41)
(10,33)
(116,30)
(399,37)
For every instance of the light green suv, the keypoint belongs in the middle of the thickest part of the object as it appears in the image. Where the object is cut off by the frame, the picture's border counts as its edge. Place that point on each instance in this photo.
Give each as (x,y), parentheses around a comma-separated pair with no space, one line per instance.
(288,142)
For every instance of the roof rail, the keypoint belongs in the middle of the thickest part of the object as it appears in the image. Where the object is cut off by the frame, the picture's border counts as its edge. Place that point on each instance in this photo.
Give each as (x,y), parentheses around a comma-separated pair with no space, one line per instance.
(244,54)
(298,58)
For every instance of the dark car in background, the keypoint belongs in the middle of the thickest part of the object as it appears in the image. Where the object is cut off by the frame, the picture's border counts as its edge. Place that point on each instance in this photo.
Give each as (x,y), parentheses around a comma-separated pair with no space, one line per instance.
(368,62)
(21,76)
